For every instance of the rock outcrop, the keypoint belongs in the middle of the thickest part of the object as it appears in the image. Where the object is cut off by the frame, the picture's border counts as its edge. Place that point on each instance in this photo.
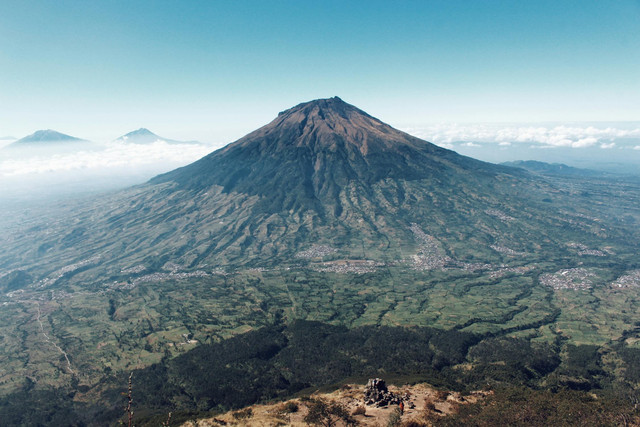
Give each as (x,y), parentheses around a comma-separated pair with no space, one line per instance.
(377,393)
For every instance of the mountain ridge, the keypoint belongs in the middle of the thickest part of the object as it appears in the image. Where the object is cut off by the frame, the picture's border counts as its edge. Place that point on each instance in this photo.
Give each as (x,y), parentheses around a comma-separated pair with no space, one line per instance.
(559,169)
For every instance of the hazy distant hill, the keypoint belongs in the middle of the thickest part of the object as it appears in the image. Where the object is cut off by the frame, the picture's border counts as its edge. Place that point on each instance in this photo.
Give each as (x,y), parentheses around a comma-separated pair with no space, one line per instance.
(145,136)
(47,136)
(554,168)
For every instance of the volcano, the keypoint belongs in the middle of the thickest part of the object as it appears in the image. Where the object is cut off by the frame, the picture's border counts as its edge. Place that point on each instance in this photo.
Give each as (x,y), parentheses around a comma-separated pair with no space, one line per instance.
(322,173)
(48,136)
(145,136)
(310,153)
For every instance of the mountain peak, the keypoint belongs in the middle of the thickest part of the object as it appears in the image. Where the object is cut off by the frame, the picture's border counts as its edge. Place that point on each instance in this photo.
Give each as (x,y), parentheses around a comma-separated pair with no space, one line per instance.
(327,124)
(48,135)
(142,136)
(335,104)
(141,131)
(326,109)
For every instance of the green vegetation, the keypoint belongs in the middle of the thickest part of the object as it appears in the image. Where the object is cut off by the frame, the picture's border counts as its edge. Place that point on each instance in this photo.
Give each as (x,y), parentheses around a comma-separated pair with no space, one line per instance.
(327,414)
(280,361)
(395,418)
(518,406)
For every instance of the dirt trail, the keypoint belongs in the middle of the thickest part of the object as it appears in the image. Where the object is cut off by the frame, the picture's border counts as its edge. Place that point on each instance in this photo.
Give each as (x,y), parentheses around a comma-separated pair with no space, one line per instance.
(48,339)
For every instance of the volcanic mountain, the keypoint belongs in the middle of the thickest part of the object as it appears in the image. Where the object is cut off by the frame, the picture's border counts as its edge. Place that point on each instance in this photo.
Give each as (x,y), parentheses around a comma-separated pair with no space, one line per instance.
(310,154)
(47,136)
(322,173)
(145,136)
(46,142)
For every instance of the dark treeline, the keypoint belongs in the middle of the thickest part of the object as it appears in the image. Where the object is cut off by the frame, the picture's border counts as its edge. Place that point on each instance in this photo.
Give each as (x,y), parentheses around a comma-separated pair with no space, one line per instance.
(283,360)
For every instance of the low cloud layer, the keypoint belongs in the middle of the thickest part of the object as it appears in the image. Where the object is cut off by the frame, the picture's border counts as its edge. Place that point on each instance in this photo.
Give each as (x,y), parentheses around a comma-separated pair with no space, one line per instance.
(99,167)
(109,156)
(548,136)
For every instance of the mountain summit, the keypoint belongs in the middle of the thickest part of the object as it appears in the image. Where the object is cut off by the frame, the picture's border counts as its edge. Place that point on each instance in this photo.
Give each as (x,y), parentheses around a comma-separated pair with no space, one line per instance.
(145,136)
(47,135)
(142,135)
(329,125)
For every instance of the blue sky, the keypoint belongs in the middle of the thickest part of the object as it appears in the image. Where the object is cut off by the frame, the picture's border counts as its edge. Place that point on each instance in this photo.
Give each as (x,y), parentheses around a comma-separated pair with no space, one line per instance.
(215,70)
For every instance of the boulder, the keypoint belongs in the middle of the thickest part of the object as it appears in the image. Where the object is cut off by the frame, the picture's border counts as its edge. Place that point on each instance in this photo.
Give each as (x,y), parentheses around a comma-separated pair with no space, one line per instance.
(377,393)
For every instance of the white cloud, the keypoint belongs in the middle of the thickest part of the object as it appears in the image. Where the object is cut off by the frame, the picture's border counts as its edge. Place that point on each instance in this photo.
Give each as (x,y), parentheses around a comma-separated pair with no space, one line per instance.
(550,136)
(504,143)
(607,146)
(471,144)
(114,155)
(589,141)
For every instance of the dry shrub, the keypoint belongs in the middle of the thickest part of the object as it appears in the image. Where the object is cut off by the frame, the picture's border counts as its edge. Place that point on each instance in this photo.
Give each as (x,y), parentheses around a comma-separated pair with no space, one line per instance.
(327,413)
(360,410)
(429,406)
(395,418)
(442,394)
(288,407)
(243,414)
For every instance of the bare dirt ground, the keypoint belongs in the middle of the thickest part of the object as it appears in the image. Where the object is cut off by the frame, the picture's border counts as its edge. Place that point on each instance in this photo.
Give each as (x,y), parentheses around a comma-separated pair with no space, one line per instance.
(420,403)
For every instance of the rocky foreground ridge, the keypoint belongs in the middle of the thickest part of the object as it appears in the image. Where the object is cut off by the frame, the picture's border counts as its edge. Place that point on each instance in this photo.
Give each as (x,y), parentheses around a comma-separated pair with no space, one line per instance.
(373,404)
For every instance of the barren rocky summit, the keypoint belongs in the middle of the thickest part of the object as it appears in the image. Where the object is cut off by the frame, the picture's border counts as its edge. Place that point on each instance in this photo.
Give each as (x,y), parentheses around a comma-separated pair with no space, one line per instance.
(421,403)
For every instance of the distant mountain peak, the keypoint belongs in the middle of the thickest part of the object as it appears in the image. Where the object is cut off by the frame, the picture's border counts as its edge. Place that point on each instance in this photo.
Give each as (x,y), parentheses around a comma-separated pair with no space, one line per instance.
(141,136)
(141,131)
(144,136)
(48,135)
